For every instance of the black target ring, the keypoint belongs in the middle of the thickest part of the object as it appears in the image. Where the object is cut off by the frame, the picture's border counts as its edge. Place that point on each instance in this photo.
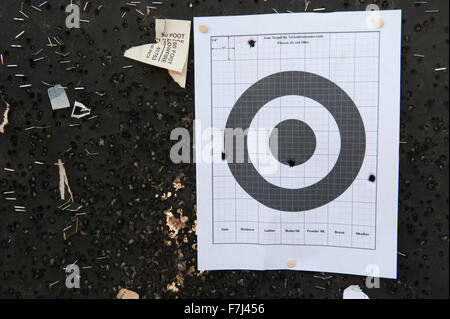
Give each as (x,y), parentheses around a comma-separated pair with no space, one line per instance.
(351,129)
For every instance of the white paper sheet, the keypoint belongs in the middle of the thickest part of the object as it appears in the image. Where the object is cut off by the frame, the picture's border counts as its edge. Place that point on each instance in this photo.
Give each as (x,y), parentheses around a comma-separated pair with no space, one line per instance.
(240,227)
(354,292)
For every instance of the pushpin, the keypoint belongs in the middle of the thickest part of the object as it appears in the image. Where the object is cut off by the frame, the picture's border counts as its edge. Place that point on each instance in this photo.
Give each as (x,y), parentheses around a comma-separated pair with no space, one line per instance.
(202,28)
(291,263)
(379,23)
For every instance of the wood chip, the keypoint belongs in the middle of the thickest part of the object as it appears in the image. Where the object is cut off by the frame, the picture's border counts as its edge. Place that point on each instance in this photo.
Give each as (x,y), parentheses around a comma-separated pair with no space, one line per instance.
(127,294)
(5,115)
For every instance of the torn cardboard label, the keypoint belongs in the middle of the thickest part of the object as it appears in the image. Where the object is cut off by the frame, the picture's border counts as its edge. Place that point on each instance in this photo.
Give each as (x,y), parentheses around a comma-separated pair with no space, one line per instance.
(170,50)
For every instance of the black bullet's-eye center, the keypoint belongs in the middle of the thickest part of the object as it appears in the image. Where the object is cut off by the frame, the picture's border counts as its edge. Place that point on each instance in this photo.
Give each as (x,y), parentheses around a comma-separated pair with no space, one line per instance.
(296,142)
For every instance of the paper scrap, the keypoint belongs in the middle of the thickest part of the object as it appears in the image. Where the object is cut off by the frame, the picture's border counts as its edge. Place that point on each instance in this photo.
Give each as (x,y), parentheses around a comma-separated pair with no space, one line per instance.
(170,50)
(63,182)
(354,292)
(80,110)
(5,115)
(58,97)
(127,294)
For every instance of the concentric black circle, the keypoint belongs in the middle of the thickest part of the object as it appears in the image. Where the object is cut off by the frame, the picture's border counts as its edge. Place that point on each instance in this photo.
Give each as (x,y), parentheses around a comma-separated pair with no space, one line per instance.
(292,142)
(349,122)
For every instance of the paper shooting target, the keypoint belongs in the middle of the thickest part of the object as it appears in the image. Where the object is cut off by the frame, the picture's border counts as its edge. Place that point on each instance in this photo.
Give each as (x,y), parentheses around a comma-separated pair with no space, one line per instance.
(297,141)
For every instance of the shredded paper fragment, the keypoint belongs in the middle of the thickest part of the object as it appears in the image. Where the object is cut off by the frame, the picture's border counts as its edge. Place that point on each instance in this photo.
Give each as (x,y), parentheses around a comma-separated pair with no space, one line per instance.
(63,182)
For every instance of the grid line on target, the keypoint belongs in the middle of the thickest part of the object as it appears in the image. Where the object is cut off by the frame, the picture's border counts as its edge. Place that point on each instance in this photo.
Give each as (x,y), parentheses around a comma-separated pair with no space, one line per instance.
(348,59)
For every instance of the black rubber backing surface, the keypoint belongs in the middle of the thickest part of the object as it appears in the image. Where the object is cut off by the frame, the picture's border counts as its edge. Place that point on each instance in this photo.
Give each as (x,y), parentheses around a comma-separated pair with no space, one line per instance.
(119,168)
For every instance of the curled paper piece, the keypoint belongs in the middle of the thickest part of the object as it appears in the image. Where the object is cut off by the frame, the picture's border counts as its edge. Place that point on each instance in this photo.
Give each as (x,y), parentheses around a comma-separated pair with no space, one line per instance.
(127,294)
(170,50)
(63,182)
(5,120)
(80,110)
(354,292)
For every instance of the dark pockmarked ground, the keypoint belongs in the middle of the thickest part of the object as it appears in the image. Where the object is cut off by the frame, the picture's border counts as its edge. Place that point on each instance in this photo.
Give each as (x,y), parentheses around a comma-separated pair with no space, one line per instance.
(137,225)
